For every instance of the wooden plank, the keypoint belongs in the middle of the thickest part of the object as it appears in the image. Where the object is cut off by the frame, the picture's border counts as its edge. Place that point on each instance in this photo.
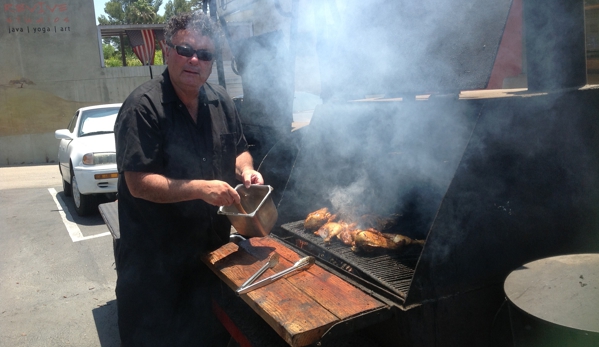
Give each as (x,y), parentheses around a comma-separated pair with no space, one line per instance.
(110,213)
(276,303)
(257,245)
(336,295)
(296,317)
(222,252)
(301,307)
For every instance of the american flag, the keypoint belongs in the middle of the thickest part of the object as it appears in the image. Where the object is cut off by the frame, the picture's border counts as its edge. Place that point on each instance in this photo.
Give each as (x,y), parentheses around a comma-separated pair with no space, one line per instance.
(143,45)
(162,41)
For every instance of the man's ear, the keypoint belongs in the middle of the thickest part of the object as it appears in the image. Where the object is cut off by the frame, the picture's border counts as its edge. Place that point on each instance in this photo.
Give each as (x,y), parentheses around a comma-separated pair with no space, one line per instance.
(166,53)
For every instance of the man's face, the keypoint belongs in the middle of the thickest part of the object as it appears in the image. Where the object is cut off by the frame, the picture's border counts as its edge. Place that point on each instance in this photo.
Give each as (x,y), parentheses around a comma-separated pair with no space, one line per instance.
(189,73)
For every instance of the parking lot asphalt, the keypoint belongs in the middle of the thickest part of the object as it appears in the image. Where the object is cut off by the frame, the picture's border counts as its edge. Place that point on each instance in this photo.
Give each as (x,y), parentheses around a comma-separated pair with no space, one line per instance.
(57,268)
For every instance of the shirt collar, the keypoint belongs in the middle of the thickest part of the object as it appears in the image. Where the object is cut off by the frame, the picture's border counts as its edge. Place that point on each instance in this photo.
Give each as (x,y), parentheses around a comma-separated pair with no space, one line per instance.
(207,95)
(168,91)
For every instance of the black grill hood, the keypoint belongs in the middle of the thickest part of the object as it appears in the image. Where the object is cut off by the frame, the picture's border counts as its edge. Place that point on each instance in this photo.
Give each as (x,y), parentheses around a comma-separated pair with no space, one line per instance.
(407,47)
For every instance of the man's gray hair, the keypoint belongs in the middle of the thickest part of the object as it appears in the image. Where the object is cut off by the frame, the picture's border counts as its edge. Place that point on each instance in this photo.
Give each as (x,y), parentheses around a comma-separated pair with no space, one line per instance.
(197,21)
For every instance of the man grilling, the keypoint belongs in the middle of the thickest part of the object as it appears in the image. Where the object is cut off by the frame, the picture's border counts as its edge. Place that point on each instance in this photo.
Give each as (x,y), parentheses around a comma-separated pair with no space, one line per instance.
(180,147)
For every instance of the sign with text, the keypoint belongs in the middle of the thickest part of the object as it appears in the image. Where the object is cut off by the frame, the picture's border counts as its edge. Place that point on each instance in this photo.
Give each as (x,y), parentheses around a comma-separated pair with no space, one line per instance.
(39,17)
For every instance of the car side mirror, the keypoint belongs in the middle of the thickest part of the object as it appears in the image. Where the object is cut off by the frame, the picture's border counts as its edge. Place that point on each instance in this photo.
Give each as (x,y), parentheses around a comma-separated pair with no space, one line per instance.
(63,134)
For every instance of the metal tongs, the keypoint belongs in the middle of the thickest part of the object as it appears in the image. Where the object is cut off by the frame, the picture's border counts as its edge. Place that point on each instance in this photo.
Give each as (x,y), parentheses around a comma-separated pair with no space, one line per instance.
(272,261)
(299,265)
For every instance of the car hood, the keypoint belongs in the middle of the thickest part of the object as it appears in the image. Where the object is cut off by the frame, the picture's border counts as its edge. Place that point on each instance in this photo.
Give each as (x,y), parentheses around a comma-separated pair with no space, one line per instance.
(95,143)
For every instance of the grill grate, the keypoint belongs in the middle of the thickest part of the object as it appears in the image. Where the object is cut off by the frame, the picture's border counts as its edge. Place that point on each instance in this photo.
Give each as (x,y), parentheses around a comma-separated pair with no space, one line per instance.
(394,271)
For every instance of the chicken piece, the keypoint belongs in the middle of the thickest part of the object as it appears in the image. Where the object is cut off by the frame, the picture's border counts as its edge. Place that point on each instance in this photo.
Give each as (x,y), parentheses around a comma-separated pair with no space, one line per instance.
(372,240)
(318,218)
(347,236)
(330,230)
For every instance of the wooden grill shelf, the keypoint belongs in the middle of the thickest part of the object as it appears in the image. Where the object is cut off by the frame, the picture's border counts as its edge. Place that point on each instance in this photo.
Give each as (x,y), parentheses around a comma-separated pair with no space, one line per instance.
(300,308)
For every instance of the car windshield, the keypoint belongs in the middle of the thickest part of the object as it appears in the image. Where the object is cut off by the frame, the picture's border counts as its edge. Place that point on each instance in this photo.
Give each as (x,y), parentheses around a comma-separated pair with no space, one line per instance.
(98,121)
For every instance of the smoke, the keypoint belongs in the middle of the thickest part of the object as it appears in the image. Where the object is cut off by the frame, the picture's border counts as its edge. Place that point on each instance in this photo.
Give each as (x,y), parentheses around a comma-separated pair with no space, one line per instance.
(502,188)
(555,45)
(405,47)
(344,199)
(352,49)
(394,158)
(397,157)
(380,158)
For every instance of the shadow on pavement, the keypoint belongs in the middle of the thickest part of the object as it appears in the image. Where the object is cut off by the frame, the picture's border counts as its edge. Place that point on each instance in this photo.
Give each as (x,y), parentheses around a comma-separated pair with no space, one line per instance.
(68,205)
(105,317)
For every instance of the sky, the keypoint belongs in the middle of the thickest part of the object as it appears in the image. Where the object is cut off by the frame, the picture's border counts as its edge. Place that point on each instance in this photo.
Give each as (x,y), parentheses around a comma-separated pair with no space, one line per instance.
(99,8)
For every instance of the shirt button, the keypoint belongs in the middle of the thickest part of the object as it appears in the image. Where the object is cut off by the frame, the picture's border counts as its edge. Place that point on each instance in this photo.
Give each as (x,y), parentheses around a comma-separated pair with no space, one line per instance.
(203,159)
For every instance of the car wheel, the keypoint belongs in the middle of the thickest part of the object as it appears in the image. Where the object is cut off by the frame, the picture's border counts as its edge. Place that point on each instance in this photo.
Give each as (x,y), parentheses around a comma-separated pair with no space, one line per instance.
(85,204)
(66,186)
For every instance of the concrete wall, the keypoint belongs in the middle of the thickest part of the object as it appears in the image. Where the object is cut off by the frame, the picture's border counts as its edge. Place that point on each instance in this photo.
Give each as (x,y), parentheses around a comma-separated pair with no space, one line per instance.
(28,149)
(50,65)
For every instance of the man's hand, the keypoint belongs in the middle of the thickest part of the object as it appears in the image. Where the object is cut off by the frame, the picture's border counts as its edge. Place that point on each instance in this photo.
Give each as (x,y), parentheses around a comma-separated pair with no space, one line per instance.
(219,193)
(251,177)
(244,169)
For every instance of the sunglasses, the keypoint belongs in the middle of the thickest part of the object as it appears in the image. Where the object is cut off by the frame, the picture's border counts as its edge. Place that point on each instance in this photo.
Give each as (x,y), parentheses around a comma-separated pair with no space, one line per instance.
(188,52)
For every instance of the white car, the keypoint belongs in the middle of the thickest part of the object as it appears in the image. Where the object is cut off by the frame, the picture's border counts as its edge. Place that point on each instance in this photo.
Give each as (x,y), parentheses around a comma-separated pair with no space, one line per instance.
(87,157)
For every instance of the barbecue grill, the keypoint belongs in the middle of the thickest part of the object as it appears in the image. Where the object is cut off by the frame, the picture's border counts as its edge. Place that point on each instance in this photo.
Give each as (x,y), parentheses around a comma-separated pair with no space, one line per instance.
(512,180)
(490,181)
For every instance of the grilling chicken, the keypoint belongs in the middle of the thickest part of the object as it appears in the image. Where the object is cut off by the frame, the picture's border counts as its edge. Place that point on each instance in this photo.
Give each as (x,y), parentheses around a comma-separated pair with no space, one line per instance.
(318,218)
(332,229)
(360,234)
(347,236)
(372,240)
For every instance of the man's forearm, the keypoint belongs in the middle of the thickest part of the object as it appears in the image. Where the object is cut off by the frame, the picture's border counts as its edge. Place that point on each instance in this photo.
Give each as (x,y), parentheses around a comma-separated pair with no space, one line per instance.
(160,189)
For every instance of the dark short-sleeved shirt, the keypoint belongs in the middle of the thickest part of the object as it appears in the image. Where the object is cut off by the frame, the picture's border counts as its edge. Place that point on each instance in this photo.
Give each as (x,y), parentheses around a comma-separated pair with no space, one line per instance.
(155,133)
(163,289)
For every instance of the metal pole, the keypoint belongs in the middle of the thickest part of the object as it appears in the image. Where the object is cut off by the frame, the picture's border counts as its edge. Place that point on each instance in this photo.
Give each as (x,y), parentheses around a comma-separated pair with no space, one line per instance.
(219,52)
(122,48)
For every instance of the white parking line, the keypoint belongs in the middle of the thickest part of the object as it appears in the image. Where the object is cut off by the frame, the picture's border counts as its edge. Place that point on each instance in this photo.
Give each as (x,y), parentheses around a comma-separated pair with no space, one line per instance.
(72,228)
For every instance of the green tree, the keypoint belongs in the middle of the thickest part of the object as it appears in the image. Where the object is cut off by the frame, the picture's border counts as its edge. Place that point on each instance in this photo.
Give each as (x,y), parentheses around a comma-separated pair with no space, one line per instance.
(108,50)
(142,12)
(123,12)
(173,7)
(131,12)
(112,57)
